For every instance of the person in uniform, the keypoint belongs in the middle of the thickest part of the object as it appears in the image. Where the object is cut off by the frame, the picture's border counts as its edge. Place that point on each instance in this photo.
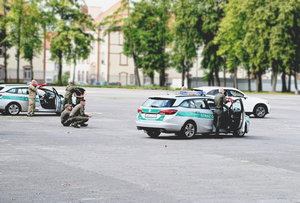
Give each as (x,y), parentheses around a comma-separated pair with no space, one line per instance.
(78,117)
(79,94)
(32,94)
(65,121)
(70,89)
(219,102)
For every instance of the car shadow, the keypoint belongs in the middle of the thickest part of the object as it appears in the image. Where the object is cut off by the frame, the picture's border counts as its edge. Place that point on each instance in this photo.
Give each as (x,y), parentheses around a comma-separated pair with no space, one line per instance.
(211,136)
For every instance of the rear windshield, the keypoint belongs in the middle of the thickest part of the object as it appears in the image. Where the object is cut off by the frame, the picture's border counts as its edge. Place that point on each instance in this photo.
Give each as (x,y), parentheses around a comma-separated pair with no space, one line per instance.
(1,88)
(158,102)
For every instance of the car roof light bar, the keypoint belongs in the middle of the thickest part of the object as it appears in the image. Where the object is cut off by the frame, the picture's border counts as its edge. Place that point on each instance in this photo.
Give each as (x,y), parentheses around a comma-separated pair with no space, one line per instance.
(198,93)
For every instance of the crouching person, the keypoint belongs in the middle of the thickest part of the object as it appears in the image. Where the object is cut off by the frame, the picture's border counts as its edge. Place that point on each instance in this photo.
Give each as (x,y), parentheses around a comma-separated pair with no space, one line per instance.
(77,115)
(65,121)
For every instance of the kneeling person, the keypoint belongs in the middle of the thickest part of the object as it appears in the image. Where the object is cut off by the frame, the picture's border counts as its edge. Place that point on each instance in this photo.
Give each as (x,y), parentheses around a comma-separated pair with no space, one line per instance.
(65,121)
(77,115)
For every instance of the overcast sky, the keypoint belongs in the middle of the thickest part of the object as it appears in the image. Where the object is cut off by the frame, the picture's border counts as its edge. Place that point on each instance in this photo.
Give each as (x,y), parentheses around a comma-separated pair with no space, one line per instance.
(104,4)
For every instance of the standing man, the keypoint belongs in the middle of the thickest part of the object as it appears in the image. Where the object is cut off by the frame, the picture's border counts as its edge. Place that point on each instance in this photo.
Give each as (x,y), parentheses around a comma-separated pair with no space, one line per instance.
(219,102)
(65,121)
(70,89)
(78,117)
(32,94)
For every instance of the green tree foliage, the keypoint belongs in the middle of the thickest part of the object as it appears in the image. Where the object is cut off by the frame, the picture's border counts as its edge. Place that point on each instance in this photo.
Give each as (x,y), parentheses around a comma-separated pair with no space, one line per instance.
(5,43)
(31,41)
(15,26)
(69,25)
(186,32)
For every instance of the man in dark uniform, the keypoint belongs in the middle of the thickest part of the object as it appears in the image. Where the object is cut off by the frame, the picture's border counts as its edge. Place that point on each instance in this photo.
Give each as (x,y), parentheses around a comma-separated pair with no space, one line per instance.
(70,89)
(219,102)
(65,121)
(79,94)
(77,115)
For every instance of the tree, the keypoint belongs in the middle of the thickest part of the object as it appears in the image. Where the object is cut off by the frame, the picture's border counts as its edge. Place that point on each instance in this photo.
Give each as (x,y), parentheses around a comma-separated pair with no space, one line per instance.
(15,27)
(5,43)
(31,43)
(70,26)
(186,32)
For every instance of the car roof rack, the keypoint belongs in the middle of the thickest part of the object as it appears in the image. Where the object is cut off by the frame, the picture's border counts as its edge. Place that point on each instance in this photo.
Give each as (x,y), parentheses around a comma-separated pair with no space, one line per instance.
(191,93)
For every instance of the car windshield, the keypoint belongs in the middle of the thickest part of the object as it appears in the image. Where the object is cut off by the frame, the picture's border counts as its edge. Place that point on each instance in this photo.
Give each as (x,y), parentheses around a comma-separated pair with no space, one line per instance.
(158,102)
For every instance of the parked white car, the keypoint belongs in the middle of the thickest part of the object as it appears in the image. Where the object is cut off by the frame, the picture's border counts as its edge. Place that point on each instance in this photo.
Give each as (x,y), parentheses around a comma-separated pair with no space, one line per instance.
(14,99)
(256,106)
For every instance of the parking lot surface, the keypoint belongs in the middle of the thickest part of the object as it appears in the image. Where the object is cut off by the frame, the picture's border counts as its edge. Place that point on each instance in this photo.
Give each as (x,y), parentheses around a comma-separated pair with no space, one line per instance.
(111,162)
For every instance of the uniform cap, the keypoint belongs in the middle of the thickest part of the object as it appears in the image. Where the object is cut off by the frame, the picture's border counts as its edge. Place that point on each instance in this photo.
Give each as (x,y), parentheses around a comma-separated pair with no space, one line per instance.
(67,105)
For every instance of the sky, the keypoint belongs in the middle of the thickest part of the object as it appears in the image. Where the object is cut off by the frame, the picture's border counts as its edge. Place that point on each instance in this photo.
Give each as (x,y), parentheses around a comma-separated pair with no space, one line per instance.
(104,4)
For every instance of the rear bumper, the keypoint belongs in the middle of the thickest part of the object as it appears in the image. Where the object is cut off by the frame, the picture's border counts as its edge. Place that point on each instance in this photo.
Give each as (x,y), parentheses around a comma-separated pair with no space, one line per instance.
(161,126)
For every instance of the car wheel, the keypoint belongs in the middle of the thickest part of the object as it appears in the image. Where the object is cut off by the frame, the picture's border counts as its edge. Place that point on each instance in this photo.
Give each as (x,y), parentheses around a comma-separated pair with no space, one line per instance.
(260,111)
(13,109)
(153,133)
(189,129)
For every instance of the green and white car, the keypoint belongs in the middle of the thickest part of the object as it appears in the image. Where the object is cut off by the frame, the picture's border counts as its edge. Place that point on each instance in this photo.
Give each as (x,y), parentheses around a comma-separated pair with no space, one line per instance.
(188,115)
(14,99)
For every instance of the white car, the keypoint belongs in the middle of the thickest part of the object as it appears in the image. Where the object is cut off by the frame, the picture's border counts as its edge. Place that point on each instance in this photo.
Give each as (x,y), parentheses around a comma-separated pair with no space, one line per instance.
(256,106)
(188,115)
(14,99)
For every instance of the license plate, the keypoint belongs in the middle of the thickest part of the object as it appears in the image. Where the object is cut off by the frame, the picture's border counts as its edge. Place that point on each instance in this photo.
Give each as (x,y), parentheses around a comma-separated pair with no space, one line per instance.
(150,115)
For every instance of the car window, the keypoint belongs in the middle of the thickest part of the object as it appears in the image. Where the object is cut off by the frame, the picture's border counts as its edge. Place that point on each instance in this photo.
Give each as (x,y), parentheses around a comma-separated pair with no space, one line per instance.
(158,102)
(236,106)
(188,104)
(234,93)
(213,92)
(211,104)
(23,91)
(200,104)
(1,88)
(13,90)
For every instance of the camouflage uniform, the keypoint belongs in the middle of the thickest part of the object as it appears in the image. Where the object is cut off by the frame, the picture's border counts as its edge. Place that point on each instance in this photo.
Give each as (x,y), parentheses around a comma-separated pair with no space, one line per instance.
(31,98)
(219,101)
(80,91)
(77,115)
(65,118)
(70,89)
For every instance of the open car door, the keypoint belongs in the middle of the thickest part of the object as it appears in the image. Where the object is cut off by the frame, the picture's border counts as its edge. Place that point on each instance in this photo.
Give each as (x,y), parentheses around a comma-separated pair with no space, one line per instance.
(237,115)
(58,101)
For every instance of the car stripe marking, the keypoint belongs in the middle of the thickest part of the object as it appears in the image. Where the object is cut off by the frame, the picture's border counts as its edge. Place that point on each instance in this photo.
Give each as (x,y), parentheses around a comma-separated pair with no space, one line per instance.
(197,115)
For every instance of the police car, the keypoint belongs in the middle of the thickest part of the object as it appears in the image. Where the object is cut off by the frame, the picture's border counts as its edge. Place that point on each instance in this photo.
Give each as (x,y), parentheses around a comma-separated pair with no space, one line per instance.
(256,106)
(14,99)
(188,114)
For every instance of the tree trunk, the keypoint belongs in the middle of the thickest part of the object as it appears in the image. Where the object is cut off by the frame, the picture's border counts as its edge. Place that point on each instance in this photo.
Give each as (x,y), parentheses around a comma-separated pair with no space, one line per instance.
(31,69)
(274,79)
(235,78)
(60,68)
(258,82)
(5,64)
(136,71)
(217,78)
(224,76)
(283,89)
(295,81)
(182,73)
(289,83)
(249,79)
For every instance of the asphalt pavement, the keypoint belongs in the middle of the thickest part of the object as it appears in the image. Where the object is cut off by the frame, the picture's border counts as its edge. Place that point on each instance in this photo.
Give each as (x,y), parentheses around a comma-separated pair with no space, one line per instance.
(110,161)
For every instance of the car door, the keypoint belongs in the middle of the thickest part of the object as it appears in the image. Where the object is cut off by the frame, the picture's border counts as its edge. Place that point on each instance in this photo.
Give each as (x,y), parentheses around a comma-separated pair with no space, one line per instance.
(205,116)
(58,101)
(191,110)
(237,114)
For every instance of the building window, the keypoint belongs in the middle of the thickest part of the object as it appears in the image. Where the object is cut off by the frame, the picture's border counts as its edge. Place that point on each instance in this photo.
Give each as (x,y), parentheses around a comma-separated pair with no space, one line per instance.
(82,75)
(57,66)
(94,47)
(87,77)
(27,73)
(131,78)
(103,59)
(123,60)
(79,76)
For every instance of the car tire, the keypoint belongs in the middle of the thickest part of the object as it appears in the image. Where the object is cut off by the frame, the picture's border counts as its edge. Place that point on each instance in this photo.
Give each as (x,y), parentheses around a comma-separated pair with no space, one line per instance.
(189,129)
(13,109)
(153,133)
(260,111)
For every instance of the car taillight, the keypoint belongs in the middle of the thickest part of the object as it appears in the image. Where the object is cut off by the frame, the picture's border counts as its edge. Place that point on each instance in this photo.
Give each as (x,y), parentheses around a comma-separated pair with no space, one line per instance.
(168,112)
(140,111)
(0,95)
